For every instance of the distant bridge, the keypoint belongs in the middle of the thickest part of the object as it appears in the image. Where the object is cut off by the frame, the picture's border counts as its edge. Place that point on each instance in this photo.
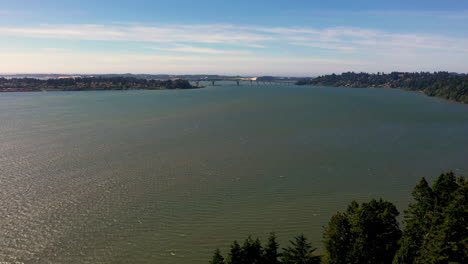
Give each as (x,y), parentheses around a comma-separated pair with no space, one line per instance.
(252,81)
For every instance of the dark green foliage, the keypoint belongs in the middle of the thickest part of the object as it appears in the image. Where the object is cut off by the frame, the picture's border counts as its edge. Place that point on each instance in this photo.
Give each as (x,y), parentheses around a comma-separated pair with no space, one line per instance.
(441,84)
(91,83)
(436,232)
(417,220)
(365,234)
(217,258)
(375,232)
(445,239)
(270,253)
(300,252)
(252,251)
(444,187)
(338,239)
(436,223)
(235,255)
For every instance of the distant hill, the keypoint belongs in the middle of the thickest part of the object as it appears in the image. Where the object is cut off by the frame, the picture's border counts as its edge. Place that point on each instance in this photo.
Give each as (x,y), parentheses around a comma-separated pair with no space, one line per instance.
(451,86)
(89,84)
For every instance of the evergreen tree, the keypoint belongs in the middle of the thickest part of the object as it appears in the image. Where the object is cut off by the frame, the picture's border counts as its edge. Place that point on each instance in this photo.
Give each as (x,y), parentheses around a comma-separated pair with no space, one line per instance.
(251,251)
(365,234)
(300,252)
(444,188)
(446,241)
(375,233)
(217,258)
(270,253)
(338,239)
(417,220)
(235,255)
(436,223)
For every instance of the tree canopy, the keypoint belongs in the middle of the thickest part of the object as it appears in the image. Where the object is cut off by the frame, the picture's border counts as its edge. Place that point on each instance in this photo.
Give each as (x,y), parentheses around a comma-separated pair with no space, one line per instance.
(368,233)
(436,223)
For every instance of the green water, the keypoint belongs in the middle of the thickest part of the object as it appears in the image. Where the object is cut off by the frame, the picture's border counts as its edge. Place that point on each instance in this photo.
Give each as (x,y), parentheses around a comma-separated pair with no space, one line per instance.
(168,176)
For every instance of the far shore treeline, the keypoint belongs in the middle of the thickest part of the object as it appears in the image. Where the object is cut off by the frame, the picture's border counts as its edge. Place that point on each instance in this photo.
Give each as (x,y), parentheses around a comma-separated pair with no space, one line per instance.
(435,232)
(450,86)
(90,84)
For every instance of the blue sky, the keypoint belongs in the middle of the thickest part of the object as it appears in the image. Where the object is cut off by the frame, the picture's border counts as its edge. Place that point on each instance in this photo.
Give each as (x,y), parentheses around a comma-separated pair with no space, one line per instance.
(295,38)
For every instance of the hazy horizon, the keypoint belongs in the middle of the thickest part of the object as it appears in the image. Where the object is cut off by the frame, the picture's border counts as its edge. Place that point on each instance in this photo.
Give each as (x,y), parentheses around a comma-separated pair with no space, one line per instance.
(188,74)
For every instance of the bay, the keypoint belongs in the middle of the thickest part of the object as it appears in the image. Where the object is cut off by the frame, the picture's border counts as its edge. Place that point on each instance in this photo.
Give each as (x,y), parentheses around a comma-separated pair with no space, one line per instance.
(168,176)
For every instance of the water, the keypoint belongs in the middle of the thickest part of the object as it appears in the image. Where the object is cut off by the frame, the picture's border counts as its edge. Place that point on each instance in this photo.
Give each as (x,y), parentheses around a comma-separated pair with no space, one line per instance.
(168,176)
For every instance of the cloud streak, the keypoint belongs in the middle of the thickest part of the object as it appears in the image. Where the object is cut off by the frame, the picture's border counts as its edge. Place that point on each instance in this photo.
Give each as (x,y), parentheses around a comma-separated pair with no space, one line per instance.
(338,38)
(221,34)
(193,49)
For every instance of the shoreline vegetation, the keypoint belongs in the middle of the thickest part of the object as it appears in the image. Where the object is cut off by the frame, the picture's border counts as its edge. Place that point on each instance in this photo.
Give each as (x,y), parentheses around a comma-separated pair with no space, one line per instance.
(435,232)
(445,85)
(90,84)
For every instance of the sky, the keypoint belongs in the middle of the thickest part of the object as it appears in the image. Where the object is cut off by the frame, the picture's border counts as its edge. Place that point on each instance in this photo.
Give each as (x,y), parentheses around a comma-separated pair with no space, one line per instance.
(256,37)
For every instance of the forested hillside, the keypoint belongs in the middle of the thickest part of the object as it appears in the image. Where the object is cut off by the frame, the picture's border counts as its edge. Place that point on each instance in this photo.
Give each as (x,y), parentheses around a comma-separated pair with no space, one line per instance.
(441,84)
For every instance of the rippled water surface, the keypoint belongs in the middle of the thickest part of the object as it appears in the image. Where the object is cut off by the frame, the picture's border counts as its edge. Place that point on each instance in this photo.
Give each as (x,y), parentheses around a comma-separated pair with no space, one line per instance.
(168,176)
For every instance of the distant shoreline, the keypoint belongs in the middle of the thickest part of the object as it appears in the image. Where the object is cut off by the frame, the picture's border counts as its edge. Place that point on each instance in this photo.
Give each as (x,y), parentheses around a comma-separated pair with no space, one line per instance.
(91,84)
(25,90)
(388,88)
(444,85)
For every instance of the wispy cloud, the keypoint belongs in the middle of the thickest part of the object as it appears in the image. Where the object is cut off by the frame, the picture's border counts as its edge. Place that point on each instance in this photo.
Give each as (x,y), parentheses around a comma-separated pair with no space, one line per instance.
(323,45)
(338,38)
(193,49)
(355,39)
(172,33)
(462,14)
(393,14)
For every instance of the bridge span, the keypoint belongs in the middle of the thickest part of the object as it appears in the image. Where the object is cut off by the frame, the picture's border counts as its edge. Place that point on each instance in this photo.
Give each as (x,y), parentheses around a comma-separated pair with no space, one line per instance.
(239,81)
